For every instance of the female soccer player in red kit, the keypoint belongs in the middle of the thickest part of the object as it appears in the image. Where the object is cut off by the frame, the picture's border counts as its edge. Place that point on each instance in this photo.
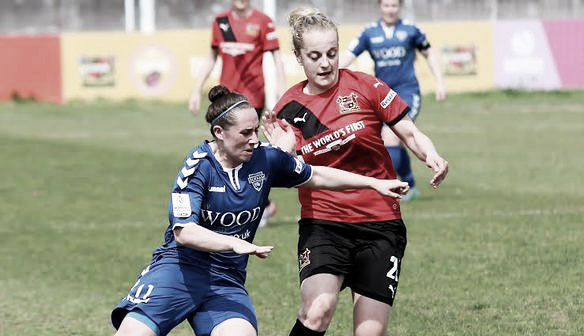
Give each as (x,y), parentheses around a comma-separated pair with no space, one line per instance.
(355,238)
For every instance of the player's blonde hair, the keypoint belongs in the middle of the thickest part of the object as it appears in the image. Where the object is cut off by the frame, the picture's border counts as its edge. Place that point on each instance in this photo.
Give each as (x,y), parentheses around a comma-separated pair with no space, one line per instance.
(303,19)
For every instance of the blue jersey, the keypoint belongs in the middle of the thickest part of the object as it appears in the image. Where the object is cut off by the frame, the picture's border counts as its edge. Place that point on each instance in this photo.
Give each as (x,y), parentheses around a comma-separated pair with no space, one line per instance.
(393,49)
(226,201)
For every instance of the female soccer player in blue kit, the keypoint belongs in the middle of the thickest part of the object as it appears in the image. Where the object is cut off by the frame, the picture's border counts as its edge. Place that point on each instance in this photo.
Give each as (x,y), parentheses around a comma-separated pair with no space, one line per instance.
(392,44)
(216,203)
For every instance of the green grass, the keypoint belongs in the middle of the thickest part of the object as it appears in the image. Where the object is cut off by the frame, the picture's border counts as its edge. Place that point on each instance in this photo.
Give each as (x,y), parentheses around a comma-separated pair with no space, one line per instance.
(497,250)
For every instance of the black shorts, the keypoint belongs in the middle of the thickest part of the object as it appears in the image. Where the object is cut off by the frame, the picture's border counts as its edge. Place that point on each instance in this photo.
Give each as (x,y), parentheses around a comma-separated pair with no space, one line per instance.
(368,255)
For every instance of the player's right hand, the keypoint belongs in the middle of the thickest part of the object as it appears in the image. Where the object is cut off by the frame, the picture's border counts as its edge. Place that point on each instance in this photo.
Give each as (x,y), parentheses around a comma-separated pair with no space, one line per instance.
(195,103)
(247,248)
(392,188)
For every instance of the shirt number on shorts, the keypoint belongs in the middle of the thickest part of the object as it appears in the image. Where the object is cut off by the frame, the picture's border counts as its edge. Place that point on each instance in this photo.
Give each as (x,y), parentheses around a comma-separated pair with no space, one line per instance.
(393,273)
(141,297)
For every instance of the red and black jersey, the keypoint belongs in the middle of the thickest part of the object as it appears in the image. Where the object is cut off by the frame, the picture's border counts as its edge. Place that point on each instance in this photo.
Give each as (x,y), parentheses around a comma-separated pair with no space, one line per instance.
(241,44)
(341,128)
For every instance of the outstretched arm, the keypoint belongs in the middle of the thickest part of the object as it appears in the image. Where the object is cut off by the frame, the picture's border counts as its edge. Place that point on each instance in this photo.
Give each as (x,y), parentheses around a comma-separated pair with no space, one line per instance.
(423,148)
(199,238)
(332,178)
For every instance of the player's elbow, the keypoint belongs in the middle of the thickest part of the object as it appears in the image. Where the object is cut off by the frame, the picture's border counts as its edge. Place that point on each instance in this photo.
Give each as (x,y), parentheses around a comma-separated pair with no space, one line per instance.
(179,235)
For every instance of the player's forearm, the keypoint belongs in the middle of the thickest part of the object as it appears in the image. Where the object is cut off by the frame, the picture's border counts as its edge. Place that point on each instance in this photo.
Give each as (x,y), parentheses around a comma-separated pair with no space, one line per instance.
(333,179)
(434,66)
(346,59)
(280,73)
(204,72)
(421,145)
(202,239)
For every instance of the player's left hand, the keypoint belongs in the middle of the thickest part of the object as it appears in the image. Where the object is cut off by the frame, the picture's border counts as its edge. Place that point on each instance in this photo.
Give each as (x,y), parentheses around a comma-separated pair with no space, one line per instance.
(278,132)
(440,168)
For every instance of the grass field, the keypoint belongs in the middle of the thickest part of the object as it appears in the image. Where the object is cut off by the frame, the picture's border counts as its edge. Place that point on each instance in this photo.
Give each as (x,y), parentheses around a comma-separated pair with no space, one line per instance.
(497,250)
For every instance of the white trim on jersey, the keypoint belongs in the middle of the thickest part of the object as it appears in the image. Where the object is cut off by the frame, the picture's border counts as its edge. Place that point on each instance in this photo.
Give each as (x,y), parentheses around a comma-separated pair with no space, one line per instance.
(233,174)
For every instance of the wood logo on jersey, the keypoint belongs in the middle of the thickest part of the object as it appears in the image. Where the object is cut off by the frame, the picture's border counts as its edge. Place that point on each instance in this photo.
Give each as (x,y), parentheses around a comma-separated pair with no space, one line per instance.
(348,103)
(256,180)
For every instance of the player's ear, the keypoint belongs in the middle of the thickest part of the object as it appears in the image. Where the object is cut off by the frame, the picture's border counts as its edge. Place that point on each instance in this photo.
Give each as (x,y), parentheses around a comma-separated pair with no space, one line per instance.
(218,131)
(298,57)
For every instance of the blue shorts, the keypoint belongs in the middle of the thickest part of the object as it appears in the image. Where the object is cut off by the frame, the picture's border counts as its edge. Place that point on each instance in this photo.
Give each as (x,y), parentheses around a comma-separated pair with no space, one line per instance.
(168,294)
(414,102)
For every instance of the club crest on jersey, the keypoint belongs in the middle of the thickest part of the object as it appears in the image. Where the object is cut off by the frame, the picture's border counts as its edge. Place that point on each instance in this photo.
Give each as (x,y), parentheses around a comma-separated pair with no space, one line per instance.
(348,103)
(401,35)
(303,259)
(252,29)
(256,180)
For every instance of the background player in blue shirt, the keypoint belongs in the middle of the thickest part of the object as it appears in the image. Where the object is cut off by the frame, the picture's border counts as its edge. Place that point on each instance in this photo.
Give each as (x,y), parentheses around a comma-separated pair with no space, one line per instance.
(392,44)
(216,203)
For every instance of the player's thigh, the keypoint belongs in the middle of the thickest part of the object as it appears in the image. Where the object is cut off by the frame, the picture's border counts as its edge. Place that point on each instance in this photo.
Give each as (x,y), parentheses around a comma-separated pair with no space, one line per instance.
(370,317)
(377,264)
(227,303)
(234,327)
(133,327)
(165,293)
(319,293)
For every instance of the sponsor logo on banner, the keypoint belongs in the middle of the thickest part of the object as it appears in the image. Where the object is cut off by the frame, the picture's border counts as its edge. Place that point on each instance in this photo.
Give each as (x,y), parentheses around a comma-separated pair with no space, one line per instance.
(97,71)
(153,69)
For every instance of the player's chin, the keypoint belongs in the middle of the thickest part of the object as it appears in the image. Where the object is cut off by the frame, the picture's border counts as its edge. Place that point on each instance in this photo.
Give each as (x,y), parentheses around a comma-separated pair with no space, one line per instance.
(246,155)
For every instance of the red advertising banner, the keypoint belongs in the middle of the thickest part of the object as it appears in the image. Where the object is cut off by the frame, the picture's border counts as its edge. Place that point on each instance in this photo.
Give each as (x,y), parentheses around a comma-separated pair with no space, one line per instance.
(30,68)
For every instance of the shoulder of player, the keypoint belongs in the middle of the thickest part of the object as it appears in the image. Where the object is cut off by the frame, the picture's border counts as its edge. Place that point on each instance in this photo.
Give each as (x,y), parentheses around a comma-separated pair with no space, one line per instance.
(408,24)
(357,76)
(259,14)
(372,26)
(222,14)
(197,161)
(293,93)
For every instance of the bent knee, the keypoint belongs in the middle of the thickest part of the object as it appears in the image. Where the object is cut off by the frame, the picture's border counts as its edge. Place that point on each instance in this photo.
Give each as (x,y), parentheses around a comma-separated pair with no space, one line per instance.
(318,315)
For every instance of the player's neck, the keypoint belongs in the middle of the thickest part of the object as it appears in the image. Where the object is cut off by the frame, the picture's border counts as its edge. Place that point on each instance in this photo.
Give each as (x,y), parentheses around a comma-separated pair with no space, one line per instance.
(222,157)
(388,25)
(242,14)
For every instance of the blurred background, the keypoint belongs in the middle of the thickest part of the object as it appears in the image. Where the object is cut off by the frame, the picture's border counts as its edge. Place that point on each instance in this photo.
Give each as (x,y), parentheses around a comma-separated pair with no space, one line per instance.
(62,50)
(42,16)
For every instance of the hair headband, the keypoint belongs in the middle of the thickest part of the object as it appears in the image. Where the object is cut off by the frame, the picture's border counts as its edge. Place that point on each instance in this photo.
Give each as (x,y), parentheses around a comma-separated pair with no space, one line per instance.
(217,118)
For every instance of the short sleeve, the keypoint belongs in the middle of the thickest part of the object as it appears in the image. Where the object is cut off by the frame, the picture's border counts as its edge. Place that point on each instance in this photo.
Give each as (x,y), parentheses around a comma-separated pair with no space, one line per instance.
(385,101)
(359,44)
(287,170)
(420,40)
(269,35)
(215,34)
(188,192)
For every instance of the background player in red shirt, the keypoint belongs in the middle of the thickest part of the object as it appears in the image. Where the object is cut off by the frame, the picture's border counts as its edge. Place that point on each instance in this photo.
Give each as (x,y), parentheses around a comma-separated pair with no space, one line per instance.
(240,36)
(352,238)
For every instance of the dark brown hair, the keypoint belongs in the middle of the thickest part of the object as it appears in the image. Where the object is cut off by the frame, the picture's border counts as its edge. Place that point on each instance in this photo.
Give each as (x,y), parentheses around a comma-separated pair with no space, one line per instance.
(223,103)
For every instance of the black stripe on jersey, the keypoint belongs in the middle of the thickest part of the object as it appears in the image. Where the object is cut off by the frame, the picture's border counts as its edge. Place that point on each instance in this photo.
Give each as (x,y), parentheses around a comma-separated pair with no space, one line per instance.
(400,117)
(302,118)
(225,28)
